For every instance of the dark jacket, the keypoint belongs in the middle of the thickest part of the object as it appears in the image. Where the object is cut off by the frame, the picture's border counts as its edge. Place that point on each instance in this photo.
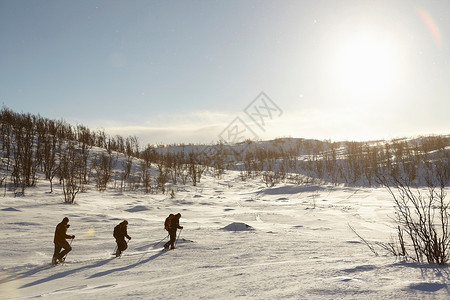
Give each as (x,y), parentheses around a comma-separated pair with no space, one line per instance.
(61,233)
(120,232)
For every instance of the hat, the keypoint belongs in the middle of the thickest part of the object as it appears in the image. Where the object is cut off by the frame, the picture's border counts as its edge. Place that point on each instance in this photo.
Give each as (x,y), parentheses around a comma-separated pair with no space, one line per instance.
(125,222)
(178,215)
(66,220)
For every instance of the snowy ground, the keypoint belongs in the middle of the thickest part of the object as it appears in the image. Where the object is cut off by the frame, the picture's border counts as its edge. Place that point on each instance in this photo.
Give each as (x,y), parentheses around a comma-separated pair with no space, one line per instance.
(300,247)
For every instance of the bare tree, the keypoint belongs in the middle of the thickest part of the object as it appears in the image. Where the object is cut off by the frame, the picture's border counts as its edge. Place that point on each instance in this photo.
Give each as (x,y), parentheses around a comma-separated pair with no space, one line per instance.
(103,165)
(50,149)
(163,176)
(195,169)
(127,165)
(70,167)
(145,177)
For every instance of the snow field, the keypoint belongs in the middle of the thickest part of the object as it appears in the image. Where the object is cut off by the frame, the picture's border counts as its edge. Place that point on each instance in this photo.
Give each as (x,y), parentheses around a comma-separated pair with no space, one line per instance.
(301,246)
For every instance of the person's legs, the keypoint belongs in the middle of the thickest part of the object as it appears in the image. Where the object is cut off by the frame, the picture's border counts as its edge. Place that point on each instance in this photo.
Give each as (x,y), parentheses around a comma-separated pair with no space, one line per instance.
(173,237)
(56,253)
(118,252)
(121,246)
(67,248)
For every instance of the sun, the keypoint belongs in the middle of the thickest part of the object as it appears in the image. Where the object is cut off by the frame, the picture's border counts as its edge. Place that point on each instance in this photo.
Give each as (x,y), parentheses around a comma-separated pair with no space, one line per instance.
(366,65)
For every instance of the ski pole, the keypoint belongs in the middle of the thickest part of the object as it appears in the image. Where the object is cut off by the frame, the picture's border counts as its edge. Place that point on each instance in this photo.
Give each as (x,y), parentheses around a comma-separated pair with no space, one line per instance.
(178,236)
(160,241)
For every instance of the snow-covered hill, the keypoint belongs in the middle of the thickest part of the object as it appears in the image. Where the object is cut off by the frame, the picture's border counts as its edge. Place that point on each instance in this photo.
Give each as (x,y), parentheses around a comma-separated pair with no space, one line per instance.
(267,220)
(300,247)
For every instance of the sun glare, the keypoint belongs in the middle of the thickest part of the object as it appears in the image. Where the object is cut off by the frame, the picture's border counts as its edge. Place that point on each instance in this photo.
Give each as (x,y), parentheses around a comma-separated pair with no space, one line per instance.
(366,65)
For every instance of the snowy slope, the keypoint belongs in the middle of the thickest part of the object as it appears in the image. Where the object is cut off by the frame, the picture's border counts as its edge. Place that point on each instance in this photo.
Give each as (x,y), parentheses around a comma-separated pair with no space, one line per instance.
(301,246)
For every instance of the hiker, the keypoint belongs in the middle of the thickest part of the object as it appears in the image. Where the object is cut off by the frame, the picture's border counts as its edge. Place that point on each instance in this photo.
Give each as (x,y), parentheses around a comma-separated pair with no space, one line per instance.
(120,232)
(61,242)
(171,224)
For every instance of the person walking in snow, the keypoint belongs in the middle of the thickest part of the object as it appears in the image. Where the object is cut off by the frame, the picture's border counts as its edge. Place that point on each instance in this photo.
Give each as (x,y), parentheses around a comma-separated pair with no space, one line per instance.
(171,224)
(120,232)
(60,241)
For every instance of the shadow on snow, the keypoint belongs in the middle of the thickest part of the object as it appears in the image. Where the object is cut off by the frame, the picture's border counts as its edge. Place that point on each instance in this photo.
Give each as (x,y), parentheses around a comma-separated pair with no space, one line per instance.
(65,273)
(24,274)
(70,272)
(139,262)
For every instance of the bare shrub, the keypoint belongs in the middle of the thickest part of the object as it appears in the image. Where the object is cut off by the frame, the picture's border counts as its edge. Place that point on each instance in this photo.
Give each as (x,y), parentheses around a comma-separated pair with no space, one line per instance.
(422,219)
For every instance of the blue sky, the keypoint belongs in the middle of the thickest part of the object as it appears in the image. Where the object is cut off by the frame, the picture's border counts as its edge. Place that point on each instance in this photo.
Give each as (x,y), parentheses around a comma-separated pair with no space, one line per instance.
(182,71)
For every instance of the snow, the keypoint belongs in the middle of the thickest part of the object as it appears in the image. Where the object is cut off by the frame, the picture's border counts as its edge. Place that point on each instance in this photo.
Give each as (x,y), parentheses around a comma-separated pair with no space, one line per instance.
(301,246)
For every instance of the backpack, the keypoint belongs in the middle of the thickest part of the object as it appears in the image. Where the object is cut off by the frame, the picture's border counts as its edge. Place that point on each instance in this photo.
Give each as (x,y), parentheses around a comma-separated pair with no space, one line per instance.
(168,221)
(116,231)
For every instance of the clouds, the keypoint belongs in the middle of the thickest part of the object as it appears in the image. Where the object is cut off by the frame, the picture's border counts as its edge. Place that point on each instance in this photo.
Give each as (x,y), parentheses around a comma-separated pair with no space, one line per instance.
(189,127)
(209,127)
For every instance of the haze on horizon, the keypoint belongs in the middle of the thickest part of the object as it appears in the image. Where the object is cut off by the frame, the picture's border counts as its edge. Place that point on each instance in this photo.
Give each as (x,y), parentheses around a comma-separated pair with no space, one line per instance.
(192,71)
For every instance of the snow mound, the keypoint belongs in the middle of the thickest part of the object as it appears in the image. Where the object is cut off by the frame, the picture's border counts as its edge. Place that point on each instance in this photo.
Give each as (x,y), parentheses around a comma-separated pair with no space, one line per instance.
(238,226)
(291,189)
(137,208)
(10,209)
(24,223)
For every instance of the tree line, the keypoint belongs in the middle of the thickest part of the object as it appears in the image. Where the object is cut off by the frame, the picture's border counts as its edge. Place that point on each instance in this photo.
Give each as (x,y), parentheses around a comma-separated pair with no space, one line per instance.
(350,162)
(33,147)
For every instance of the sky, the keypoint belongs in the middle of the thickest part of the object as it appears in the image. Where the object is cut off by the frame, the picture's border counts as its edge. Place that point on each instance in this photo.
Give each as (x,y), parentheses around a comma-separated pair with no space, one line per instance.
(203,71)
